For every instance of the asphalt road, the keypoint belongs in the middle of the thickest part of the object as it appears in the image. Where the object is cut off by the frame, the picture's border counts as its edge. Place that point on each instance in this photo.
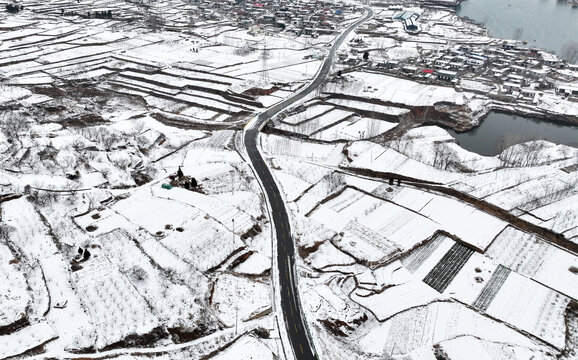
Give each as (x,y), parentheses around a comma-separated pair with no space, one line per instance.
(290,305)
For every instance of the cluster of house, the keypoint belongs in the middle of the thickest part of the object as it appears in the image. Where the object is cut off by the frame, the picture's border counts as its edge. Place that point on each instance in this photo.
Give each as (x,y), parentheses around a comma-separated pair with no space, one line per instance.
(517,69)
(303,17)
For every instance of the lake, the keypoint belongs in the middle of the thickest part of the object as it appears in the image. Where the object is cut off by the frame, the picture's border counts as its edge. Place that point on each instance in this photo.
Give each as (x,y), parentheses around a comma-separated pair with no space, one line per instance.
(498,131)
(546,24)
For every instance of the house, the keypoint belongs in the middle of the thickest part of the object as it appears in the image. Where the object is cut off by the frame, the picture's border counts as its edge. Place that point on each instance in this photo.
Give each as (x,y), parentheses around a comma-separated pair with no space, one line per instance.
(441,64)
(309,32)
(538,73)
(352,61)
(409,70)
(446,75)
(518,69)
(478,57)
(268,19)
(516,79)
(297,21)
(456,65)
(426,73)
(410,25)
(531,63)
(551,60)
(528,93)
(342,55)
(475,62)
(409,20)
(509,86)
(392,64)
(571,90)
(499,72)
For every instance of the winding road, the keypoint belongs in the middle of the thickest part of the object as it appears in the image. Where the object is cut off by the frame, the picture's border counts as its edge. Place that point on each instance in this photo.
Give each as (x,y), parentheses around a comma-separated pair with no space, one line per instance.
(290,304)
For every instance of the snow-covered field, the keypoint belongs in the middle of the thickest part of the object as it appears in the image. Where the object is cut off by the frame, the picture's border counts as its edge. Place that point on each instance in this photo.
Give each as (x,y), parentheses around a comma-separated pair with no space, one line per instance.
(405,270)
(407,246)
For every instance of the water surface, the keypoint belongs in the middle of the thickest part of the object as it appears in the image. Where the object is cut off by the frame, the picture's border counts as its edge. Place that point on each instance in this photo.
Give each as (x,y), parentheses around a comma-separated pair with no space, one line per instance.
(498,131)
(546,24)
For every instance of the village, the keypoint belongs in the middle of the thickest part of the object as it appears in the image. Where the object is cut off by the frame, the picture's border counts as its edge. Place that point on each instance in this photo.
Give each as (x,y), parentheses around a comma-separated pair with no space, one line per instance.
(506,69)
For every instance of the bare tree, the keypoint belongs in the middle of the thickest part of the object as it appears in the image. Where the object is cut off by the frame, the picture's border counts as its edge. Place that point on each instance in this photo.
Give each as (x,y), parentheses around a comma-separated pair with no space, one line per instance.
(5,232)
(517,34)
(13,124)
(244,49)
(569,52)
(152,17)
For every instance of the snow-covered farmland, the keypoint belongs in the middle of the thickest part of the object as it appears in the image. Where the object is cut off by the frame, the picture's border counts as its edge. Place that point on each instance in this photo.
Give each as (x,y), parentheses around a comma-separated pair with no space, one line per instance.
(102,251)
(102,256)
(14,299)
(226,292)
(384,201)
(439,321)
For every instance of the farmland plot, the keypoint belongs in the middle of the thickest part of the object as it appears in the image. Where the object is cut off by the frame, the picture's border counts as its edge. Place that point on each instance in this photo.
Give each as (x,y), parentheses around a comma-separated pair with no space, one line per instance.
(153,213)
(519,251)
(14,298)
(469,347)
(445,271)
(221,211)
(459,219)
(368,106)
(274,145)
(395,223)
(561,216)
(365,244)
(314,125)
(327,255)
(490,290)
(476,275)
(376,157)
(527,193)
(28,338)
(396,299)
(310,173)
(435,323)
(531,307)
(399,90)
(485,184)
(308,113)
(73,326)
(416,258)
(247,348)
(114,305)
(204,245)
(353,129)
(174,304)
(228,289)
(532,257)
(291,185)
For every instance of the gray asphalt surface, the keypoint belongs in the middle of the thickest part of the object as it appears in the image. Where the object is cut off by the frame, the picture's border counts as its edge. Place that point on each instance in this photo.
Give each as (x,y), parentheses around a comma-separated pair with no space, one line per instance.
(298,334)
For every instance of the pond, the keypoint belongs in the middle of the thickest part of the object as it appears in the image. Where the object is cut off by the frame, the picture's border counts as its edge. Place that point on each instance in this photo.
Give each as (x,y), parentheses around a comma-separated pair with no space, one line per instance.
(499,130)
(546,24)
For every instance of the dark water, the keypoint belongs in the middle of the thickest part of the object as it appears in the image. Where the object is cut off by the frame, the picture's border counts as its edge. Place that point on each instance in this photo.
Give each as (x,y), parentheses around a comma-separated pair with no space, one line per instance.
(498,131)
(546,24)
